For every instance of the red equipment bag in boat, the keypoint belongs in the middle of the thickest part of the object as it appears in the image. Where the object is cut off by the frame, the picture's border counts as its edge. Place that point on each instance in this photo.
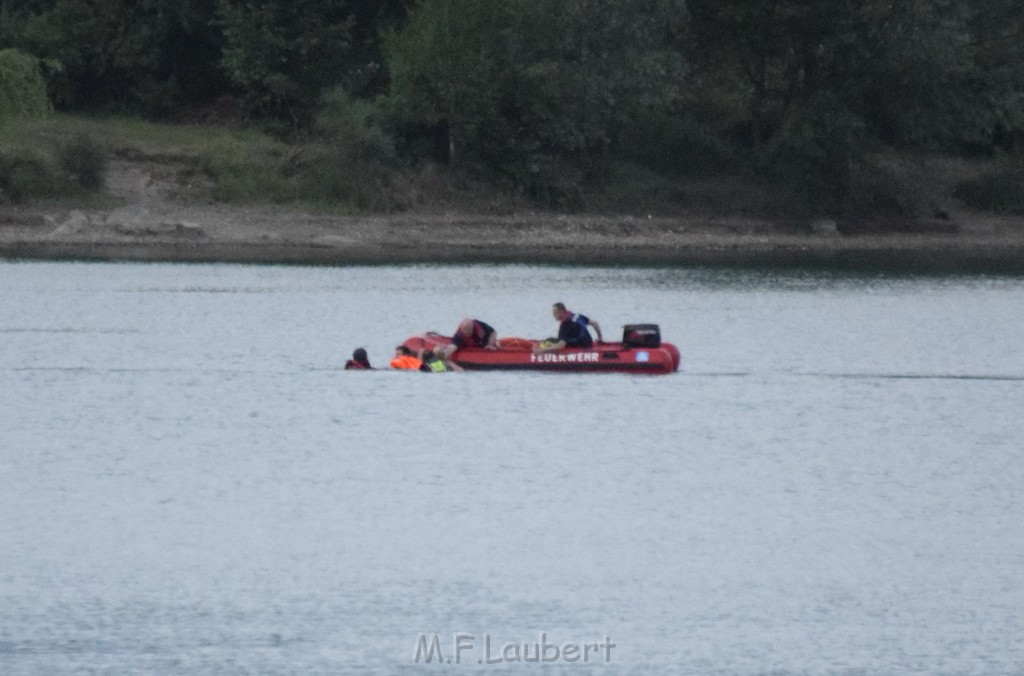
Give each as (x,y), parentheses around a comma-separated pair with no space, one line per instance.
(641,335)
(515,344)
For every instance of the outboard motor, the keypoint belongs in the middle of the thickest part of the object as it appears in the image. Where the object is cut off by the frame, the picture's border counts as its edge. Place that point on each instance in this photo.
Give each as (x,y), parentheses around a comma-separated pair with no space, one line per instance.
(641,335)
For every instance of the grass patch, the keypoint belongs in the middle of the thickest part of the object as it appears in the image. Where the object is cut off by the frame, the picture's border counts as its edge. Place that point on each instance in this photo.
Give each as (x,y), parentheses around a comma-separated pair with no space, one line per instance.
(351,167)
(243,165)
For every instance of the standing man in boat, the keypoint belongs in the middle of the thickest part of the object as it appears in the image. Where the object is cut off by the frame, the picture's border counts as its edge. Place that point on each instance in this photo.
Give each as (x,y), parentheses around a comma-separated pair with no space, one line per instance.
(572,330)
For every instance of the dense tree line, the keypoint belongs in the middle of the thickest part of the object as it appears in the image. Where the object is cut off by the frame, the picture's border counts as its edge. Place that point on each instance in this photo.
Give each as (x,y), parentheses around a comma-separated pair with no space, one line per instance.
(545,93)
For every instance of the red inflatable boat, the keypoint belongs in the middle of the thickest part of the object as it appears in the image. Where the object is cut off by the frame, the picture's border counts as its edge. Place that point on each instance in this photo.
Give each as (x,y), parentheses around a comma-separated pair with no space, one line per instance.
(641,352)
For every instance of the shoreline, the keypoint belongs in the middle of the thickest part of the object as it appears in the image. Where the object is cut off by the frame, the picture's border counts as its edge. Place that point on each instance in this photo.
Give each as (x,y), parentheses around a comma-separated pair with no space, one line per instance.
(217,233)
(939,257)
(147,215)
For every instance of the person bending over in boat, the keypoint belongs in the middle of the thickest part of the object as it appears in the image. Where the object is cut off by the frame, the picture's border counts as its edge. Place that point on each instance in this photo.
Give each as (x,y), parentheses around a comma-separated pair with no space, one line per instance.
(404,359)
(358,361)
(572,330)
(474,333)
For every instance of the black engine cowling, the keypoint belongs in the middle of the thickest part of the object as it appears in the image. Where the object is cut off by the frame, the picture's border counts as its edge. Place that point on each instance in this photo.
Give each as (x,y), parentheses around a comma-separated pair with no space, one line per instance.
(641,335)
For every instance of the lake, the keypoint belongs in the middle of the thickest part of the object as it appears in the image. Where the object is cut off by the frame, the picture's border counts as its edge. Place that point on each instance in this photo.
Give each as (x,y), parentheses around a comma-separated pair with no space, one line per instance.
(189,483)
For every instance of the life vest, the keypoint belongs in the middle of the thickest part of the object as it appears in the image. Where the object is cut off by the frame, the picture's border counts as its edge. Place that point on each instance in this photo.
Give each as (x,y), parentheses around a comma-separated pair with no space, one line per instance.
(583,340)
(437,366)
(352,364)
(579,319)
(407,362)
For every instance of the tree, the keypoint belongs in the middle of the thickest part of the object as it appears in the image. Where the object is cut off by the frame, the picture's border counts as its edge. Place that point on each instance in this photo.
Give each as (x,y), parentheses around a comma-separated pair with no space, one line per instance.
(515,84)
(107,50)
(13,16)
(144,56)
(911,78)
(903,66)
(366,76)
(190,50)
(447,73)
(282,53)
(997,48)
(22,94)
(22,89)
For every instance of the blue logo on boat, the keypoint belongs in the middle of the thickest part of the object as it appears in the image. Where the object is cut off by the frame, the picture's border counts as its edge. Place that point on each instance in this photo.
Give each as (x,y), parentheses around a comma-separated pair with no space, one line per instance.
(643,356)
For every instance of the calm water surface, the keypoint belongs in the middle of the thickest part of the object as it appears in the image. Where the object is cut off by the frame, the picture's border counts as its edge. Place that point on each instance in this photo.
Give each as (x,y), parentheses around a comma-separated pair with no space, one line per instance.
(831,483)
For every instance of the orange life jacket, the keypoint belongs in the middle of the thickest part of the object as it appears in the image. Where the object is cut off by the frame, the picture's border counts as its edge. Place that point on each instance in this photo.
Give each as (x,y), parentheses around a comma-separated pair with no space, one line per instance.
(406,362)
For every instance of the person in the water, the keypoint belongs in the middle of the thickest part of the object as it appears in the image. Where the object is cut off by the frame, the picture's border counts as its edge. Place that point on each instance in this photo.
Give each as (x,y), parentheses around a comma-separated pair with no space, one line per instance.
(359,361)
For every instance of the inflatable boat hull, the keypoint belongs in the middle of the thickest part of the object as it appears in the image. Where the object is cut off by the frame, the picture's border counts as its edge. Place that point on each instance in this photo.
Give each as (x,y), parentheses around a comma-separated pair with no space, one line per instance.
(516,354)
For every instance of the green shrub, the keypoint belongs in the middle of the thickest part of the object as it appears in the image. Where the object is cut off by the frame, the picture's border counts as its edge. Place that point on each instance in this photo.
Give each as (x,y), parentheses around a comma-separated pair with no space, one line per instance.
(676,144)
(889,187)
(235,181)
(631,187)
(550,182)
(337,177)
(814,154)
(85,162)
(22,89)
(24,177)
(357,160)
(349,164)
(1001,190)
(243,168)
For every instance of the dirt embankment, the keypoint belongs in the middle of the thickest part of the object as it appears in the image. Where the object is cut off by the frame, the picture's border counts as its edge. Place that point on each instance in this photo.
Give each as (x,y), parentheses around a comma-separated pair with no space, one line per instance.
(159,217)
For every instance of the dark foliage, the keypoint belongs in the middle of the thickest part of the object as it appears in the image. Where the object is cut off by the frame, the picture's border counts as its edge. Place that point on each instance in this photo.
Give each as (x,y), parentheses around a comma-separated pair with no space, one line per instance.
(547,96)
(84,161)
